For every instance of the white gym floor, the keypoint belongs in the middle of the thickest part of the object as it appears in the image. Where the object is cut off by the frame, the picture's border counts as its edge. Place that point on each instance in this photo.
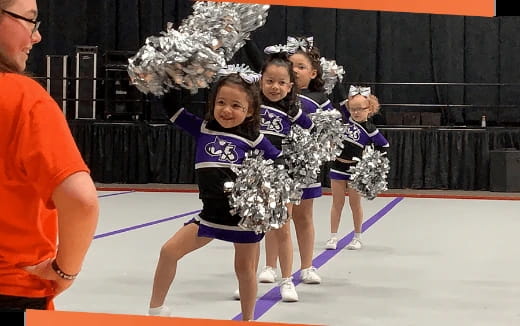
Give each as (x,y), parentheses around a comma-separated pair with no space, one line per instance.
(425,261)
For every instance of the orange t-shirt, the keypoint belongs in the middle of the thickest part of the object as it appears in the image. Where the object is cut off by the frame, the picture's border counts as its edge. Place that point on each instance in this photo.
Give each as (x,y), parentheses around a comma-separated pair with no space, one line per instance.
(37,152)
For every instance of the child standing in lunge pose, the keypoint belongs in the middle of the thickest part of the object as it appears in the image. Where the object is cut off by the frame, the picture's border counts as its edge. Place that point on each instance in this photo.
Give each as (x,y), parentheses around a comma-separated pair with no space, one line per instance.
(361,132)
(308,73)
(230,130)
(281,109)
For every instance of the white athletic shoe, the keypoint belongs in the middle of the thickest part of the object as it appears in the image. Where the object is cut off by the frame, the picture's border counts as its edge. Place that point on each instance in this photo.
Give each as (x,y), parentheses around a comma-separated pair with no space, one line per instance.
(267,275)
(331,244)
(288,290)
(355,244)
(310,276)
(236,294)
(159,311)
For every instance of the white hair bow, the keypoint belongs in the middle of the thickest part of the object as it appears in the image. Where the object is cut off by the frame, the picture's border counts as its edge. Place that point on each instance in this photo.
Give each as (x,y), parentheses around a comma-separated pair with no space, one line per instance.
(304,43)
(247,75)
(355,90)
(279,48)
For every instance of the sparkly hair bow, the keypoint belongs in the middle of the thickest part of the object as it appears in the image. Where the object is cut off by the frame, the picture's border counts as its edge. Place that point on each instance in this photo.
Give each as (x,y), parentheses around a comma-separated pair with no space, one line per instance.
(304,43)
(355,90)
(276,49)
(247,75)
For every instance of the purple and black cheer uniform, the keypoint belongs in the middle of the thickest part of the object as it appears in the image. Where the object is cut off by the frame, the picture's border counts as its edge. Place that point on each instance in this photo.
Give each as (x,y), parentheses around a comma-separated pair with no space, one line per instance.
(311,102)
(217,149)
(359,135)
(278,117)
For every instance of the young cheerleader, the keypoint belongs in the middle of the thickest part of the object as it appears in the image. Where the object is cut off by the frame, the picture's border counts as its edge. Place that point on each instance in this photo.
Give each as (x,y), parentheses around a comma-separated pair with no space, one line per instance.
(280,110)
(308,73)
(230,130)
(358,108)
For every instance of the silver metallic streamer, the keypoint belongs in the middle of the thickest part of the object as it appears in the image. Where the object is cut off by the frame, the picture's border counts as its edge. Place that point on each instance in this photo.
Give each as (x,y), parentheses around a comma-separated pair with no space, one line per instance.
(191,56)
(332,73)
(369,175)
(306,151)
(260,193)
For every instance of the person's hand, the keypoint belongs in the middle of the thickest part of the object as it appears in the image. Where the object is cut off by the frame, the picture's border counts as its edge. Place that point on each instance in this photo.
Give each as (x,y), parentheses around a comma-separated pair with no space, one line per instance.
(45,271)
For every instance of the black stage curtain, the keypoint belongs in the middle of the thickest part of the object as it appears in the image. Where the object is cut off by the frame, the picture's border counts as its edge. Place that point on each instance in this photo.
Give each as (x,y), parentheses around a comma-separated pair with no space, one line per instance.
(438,159)
(373,46)
(420,158)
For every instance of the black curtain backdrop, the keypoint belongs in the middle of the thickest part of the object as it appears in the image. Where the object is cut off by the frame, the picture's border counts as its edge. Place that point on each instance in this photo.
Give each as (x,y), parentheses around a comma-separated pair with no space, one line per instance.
(420,158)
(383,47)
(374,47)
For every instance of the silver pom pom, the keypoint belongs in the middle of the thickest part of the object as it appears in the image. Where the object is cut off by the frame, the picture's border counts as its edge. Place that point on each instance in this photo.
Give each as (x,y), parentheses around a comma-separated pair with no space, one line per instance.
(332,73)
(305,152)
(260,193)
(191,56)
(370,173)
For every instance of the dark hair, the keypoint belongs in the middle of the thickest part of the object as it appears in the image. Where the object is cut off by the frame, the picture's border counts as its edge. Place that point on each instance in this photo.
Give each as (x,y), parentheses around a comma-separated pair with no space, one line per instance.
(282,60)
(313,54)
(253,94)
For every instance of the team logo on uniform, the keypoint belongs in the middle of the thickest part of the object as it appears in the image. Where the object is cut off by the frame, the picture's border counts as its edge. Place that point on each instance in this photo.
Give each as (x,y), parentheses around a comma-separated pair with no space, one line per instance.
(223,149)
(271,122)
(353,132)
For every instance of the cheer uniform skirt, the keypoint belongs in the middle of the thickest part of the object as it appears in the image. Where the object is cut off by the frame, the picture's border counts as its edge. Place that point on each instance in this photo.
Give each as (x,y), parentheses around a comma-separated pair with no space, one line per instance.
(216,222)
(312,191)
(339,170)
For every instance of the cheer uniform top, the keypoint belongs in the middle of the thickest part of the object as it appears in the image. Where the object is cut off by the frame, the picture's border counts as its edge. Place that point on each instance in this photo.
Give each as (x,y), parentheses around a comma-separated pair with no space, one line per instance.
(278,117)
(217,149)
(311,102)
(359,135)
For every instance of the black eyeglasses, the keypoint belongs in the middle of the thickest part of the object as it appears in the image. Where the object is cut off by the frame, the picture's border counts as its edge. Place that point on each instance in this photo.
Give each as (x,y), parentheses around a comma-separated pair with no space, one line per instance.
(35,22)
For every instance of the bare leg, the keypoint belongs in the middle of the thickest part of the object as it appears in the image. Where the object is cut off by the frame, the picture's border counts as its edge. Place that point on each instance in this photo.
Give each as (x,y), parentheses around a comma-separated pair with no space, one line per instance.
(246,259)
(271,249)
(338,188)
(285,248)
(354,200)
(180,244)
(304,226)
(273,241)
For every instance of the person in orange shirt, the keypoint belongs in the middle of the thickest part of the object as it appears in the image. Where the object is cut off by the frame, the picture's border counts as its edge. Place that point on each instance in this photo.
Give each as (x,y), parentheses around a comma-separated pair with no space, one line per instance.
(48,201)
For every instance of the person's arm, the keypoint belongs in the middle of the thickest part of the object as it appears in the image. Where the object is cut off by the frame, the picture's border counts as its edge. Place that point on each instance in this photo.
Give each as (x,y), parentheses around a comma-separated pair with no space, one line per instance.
(302,120)
(48,156)
(254,55)
(344,110)
(269,150)
(380,142)
(339,93)
(78,210)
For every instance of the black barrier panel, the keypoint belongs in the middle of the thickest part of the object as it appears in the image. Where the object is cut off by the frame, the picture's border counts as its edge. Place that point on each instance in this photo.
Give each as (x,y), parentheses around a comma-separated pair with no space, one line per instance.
(86,74)
(56,82)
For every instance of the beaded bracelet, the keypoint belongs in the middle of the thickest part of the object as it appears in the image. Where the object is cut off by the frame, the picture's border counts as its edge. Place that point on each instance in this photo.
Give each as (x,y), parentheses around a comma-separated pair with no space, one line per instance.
(60,273)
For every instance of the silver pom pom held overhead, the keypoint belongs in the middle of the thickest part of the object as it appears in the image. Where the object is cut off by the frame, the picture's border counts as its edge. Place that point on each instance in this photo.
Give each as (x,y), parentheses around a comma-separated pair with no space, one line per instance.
(369,175)
(332,74)
(191,56)
(260,193)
